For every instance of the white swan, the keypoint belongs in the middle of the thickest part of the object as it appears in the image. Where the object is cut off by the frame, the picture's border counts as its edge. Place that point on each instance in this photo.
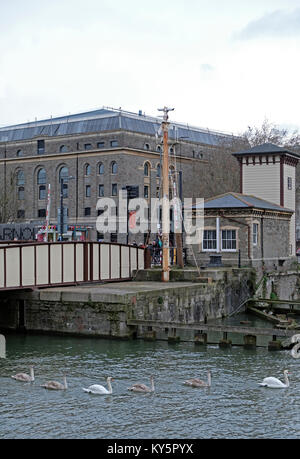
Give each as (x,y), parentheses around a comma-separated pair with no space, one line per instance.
(143,387)
(100,390)
(195,382)
(24,376)
(275,383)
(54,385)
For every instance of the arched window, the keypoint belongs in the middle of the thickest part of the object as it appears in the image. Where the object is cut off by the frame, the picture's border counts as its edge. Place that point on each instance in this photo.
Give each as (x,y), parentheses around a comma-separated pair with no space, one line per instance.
(41,177)
(158,148)
(20,177)
(63,148)
(87,170)
(63,176)
(21,193)
(19,153)
(146,169)
(101,168)
(147,146)
(114,167)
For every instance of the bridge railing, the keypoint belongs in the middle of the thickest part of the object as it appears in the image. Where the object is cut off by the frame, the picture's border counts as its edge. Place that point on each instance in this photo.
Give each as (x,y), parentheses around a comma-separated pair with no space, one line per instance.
(52,264)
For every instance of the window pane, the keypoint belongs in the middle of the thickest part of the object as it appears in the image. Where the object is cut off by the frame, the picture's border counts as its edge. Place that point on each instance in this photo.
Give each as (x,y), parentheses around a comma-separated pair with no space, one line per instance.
(101,191)
(114,189)
(41,177)
(42,192)
(101,169)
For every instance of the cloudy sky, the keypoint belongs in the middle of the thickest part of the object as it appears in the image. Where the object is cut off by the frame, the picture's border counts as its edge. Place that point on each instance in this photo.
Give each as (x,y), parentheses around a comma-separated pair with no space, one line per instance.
(222,65)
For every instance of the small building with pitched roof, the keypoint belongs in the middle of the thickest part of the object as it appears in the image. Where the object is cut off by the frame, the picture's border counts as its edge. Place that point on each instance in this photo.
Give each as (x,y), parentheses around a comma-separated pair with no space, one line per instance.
(245,228)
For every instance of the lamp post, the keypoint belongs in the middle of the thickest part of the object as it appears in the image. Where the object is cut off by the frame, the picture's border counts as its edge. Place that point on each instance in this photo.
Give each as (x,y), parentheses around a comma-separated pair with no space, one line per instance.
(62,179)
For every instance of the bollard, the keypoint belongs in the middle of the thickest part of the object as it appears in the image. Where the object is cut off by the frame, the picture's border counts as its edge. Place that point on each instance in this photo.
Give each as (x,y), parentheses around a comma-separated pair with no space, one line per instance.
(274,345)
(172,338)
(201,339)
(150,335)
(225,343)
(250,342)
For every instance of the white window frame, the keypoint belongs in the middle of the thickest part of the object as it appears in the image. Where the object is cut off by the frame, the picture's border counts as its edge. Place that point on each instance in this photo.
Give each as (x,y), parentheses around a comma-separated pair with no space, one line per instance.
(210,230)
(255,233)
(235,239)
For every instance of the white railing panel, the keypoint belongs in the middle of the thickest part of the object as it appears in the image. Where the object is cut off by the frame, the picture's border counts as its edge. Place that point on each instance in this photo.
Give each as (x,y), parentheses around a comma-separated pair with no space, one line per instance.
(79,262)
(125,262)
(42,265)
(56,264)
(1,268)
(104,261)
(28,266)
(115,262)
(13,267)
(95,262)
(133,259)
(141,259)
(68,263)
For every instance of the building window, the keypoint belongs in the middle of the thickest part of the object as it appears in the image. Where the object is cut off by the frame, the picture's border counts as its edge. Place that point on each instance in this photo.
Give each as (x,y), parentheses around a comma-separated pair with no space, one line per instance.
(209,240)
(41,177)
(19,153)
(101,191)
(20,178)
(87,146)
(64,175)
(290,183)
(147,146)
(40,147)
(87,170)
(255,233)
(42,213)
(114,143)
(114,189)
(21,214)
(146,170)
(146,191)
(100,144)
(101,169)
(158,148)
(87,211)
(88,191)
(229,240)
(114,168)
(63,149)
(21,193)
(100,236)
(42,192)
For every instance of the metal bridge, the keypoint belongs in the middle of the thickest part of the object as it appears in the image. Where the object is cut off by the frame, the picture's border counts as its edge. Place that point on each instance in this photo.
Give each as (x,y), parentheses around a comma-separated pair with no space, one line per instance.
(46,264)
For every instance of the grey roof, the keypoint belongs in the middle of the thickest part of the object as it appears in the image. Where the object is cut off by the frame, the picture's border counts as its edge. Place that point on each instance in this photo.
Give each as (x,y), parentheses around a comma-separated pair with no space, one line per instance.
(265,148)
(236,200)
(108,120)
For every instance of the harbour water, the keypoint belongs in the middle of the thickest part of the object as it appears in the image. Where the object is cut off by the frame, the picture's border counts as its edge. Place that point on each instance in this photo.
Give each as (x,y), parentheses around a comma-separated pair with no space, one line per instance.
(234,407)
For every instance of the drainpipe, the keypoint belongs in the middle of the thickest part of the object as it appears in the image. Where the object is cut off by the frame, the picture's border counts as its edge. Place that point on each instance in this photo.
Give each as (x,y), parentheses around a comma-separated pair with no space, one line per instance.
(249,231)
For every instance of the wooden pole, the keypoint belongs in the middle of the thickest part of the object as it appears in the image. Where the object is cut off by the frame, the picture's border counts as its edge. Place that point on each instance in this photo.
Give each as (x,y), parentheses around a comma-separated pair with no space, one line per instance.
(166,202)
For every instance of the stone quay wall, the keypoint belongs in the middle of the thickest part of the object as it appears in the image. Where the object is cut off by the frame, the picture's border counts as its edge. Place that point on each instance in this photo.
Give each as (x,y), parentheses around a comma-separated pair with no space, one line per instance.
(103,311)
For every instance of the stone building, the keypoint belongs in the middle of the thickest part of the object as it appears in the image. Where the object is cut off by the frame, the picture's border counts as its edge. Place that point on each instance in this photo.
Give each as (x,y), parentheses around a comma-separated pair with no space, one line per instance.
(246,230)
(99,153)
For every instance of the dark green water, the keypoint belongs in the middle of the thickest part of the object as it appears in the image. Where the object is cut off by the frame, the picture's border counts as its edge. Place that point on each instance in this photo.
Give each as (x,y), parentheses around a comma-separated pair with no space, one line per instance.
(234,407)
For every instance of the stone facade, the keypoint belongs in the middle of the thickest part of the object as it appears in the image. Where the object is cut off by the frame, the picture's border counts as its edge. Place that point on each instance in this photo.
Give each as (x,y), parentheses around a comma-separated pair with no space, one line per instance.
(203,166)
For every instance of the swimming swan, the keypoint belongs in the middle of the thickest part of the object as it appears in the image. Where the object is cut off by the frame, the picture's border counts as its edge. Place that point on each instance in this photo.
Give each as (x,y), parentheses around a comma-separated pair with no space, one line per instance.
(275,383)
(24,377)
(54,385)
(143,387)
(195,382)
(100,390)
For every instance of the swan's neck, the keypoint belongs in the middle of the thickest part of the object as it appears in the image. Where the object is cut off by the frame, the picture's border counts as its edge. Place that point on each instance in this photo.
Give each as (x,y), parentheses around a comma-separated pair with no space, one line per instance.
(287,382)
(31,374)
(65,382)
(152,384)
(209,378)
(109,386)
